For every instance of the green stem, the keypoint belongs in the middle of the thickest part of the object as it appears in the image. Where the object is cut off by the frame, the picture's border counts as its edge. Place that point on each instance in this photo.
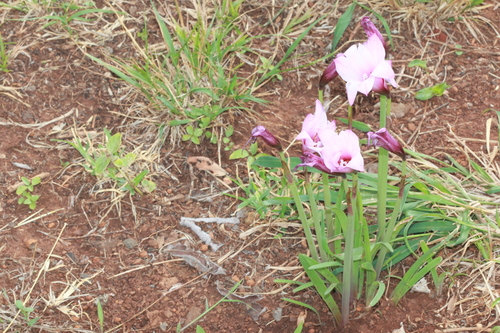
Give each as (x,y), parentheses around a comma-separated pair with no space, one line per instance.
(300,209)
(349,117)
(320,230)
(387,237)
(347,279)
(383,167)
(337,244)
(320,95)
(330,228)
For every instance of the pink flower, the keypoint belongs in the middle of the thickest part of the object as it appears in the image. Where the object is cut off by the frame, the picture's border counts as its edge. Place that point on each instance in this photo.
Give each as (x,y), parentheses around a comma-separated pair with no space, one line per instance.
(371,29)
(264,134)
(327,150)
(382,138)
(364,68)
(341,152)
(312,125)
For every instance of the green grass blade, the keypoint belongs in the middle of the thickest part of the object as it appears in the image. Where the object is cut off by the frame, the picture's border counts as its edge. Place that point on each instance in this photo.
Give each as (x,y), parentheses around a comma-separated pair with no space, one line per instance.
(342,25)
(320,286)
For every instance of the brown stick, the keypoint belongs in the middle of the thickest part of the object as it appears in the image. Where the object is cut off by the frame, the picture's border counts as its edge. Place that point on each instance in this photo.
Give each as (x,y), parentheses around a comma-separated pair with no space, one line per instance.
(14,187)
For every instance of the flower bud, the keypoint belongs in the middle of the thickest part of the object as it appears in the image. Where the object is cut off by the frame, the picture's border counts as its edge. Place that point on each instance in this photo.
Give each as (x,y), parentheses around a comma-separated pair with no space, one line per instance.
(264,134)
(382,138)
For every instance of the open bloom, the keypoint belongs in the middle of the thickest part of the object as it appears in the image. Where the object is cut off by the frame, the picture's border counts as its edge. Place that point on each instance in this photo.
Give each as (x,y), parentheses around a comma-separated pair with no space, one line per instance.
(364,68)
(266,136)
(382,138)
(325,149)
(311,127)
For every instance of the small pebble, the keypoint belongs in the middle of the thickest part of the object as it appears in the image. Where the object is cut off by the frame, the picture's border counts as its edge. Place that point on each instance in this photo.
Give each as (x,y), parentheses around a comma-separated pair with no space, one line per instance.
(412,127)
(129,243)
(203,247)
(235,278)
(30,243)
(143,254)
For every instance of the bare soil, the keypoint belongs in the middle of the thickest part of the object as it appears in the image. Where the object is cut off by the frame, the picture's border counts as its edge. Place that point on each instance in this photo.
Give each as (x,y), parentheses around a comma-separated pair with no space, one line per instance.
(118,259)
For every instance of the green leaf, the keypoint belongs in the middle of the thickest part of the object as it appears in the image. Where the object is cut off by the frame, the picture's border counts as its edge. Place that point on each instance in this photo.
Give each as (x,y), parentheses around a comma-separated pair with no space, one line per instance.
(148,185)
(240,153)
(299,328)
(21,189)
(140,177)
(429,92)
(357,125)
(307,306)
(199,329)
(100,164)
(204,122)
(418,63)
(36,181)
(178,122)
(19,304)
(129,159)
(229,131)
(342,25)
(378,295)
(195,140)
(114,143)
(33,321)
(186,137)
(198,132)
(458,46)
(254,148)
(319,284)
(26,181)
(20,201)
(190,130)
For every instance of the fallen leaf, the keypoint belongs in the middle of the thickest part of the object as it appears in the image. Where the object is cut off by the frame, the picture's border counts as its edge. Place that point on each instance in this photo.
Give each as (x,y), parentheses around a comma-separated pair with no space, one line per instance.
(196,259)
(204,163)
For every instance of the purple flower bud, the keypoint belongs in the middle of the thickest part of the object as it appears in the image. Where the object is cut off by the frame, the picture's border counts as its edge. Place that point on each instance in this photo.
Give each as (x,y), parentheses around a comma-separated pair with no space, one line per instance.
(329,74)
(382,138)
(371,29)
(264,134)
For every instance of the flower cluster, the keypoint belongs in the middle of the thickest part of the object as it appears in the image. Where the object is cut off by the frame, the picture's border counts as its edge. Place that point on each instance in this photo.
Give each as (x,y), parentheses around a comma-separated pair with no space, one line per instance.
(363,66)
(325,149)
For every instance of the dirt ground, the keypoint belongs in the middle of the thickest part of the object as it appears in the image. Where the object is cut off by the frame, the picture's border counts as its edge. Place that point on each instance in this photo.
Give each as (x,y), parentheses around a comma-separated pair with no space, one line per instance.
(76,253)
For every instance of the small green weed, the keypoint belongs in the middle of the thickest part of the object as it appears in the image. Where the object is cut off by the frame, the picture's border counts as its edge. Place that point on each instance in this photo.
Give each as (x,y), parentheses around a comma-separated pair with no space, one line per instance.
(429,92)
(25,192)
(110,161)
(67,12)
(26,312)
(4,56)
(100,314)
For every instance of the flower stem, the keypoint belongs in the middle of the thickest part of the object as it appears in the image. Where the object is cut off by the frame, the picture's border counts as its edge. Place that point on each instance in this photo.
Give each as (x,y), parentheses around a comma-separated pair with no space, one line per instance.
(387,237)
(347,279)
(349,117)
(330,228)
(383,166)
(318,227)
(300,209)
